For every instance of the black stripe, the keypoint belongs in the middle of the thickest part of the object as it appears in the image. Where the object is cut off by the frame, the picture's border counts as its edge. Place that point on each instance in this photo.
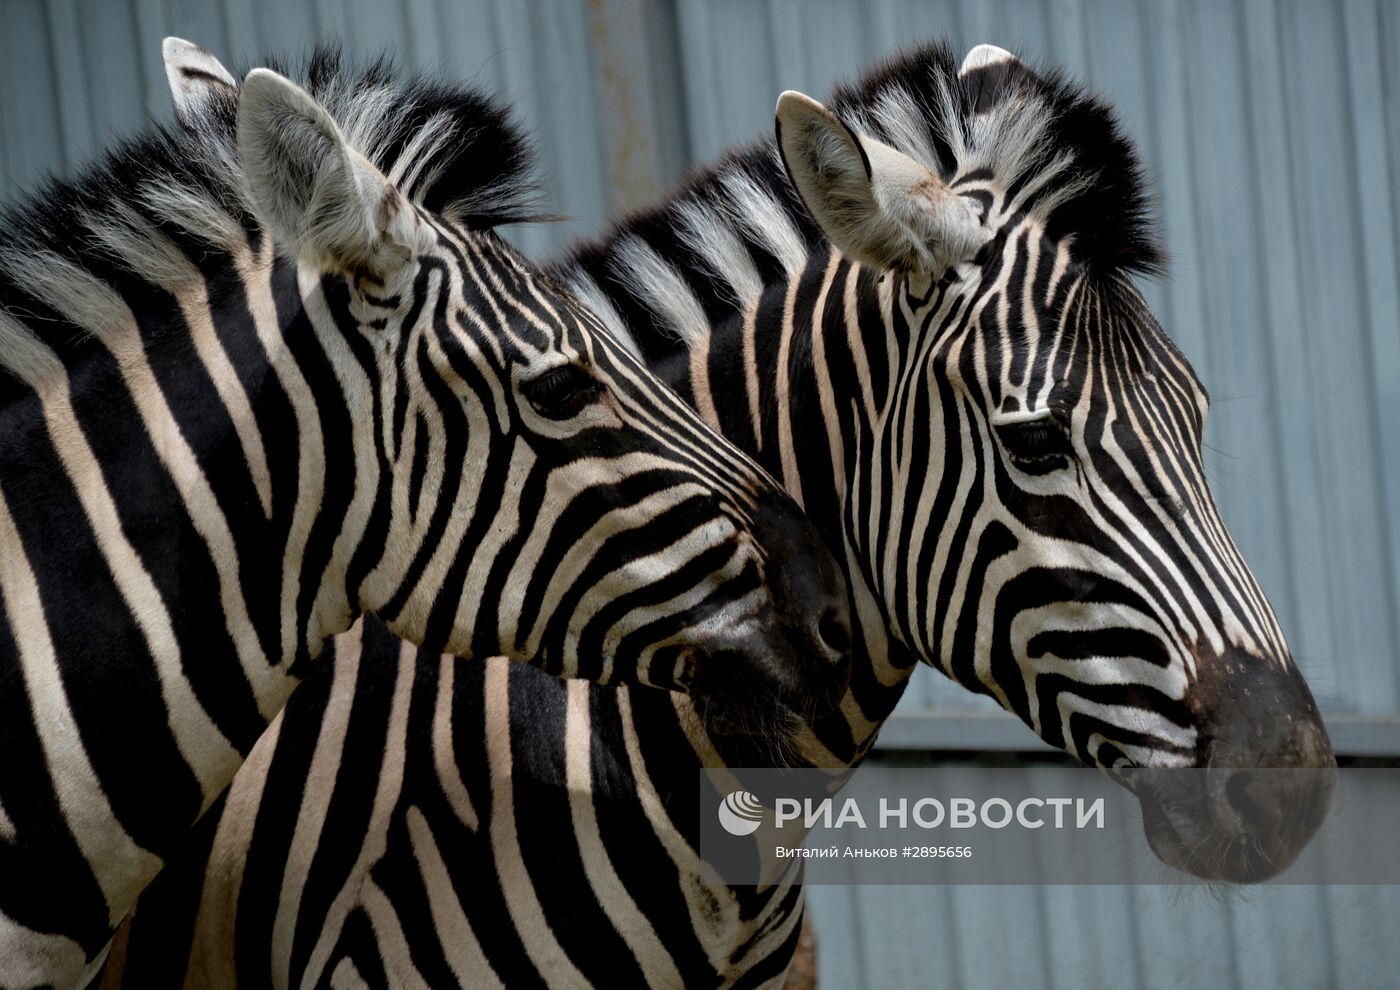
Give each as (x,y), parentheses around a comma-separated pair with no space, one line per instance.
(106,668)
(274,824)
(161,933)
(337,435)
(542,817)
(361,765)
(48,886)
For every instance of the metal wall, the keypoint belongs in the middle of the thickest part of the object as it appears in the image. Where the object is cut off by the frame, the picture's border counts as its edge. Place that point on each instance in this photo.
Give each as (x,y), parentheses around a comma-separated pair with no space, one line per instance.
(74,73)
(1272,130)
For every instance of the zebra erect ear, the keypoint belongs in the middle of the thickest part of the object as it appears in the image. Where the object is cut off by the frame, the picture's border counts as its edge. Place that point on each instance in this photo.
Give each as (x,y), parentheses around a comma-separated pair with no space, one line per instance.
(315,193)
(876,204)
(989,74)
(197,79)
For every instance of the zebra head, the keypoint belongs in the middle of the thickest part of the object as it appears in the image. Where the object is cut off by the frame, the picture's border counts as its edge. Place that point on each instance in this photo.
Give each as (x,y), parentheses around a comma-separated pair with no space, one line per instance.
(523,485)
(1053,541)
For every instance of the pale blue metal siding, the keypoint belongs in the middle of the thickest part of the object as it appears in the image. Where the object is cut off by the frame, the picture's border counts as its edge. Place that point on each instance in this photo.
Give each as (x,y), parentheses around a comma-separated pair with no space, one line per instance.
(75,73)
(1272,131)
(1074,938)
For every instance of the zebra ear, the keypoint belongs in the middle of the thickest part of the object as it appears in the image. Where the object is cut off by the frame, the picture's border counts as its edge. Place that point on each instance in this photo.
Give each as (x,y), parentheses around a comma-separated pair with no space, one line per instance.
(988,74)
(315,193)
(197,79)
(876,204)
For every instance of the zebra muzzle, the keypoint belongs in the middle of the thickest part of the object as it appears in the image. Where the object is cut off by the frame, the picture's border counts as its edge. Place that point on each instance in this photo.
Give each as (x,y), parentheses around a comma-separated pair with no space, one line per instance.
(791,658)
(1264,787)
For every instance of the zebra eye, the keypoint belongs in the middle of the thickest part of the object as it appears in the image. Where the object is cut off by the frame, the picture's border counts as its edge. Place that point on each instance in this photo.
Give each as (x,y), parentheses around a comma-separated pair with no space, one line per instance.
(561,392)
(1035,440)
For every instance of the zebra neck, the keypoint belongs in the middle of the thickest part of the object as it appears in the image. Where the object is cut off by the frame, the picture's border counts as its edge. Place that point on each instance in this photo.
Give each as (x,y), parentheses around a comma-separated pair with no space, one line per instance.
(793,381)
(778,358)
(175,539)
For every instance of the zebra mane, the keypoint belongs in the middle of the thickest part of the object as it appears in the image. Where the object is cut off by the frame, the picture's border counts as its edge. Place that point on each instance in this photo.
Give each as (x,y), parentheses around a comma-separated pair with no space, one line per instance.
(740,222)
(160,203)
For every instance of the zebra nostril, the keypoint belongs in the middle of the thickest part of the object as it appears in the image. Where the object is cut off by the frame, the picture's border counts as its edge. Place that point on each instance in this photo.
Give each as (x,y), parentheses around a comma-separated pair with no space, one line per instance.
(686,664)
(834,630)
(1227,801)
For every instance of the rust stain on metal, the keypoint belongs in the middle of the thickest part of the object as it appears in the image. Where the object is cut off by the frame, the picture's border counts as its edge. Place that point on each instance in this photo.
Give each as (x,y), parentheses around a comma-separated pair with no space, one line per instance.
(628,149)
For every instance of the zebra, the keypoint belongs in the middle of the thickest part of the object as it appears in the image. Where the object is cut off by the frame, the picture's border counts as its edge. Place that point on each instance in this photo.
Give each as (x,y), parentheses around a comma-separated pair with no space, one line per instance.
(272,368)
(972,401)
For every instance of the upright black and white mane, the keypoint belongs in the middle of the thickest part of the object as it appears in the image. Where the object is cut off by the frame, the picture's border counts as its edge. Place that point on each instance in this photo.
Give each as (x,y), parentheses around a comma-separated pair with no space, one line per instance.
(451,149)
(742,221)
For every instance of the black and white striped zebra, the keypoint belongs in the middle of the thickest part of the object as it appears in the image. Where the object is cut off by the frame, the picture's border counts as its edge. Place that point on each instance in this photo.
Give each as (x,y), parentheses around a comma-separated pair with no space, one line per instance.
(271,369)
(993,433)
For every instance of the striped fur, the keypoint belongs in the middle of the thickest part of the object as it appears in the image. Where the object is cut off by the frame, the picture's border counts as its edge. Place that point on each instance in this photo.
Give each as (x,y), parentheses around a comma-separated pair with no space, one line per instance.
(1072,565)
(271,369)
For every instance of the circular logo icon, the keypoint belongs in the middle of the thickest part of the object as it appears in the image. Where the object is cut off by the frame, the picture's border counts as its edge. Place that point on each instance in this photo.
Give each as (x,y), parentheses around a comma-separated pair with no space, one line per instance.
(741,813)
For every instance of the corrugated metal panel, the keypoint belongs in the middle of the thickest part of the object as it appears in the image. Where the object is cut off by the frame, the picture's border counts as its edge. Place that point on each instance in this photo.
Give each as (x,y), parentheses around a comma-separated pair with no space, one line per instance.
(73,73)
(1070,938)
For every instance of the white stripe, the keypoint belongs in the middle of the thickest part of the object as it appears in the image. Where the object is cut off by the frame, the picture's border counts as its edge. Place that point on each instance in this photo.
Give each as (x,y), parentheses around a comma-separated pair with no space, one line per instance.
(627,919)
(898,116)
(120,866)
(209,754)
(388,789)
(582,285)
(787,448)
(660,287)
(390,940)
(347,977)
(421,162)
(700,383)
(517,889)
(765,220)
(212,942)
(450,924)
(35,959)
(445,752)
(711,236)
(748,335)
(699,883)
(23,354)
(999,418)
(318,791)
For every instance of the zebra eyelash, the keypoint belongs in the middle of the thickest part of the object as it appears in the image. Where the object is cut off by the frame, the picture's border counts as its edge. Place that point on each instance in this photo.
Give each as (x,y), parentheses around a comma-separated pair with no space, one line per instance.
(561,392)
(1033,438)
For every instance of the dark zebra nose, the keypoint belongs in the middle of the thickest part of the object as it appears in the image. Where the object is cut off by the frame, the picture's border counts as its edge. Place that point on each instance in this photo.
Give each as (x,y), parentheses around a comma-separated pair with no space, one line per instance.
(811,607)
(1265,783)
(794,658)
(1258,712)
(1269,776)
